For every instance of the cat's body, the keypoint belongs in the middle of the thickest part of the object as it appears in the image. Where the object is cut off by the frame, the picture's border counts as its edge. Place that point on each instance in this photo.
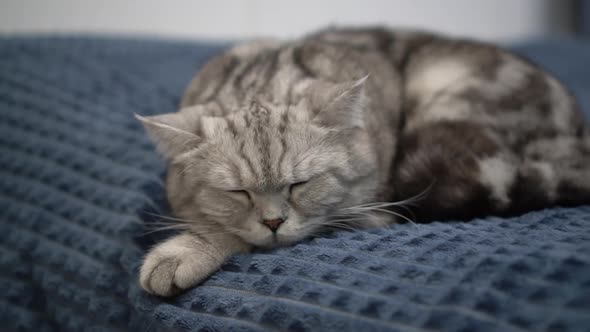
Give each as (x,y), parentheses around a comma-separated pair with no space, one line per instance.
(275,141)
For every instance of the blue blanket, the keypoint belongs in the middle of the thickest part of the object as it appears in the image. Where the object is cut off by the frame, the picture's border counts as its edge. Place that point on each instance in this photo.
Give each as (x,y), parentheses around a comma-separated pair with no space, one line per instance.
(79,178)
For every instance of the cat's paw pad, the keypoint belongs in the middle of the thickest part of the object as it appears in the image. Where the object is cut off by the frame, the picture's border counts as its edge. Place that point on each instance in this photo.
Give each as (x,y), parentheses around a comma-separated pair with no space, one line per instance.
(167,274)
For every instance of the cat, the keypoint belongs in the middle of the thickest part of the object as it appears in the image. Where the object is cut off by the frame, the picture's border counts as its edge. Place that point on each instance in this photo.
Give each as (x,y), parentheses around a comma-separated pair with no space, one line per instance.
(276,141)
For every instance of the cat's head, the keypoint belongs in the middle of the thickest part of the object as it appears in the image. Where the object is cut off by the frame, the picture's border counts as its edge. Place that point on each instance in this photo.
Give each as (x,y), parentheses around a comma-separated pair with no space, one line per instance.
(270,174)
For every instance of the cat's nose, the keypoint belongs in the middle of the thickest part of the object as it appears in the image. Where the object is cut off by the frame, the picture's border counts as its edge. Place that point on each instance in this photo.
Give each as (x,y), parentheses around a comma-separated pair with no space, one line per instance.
(273,224)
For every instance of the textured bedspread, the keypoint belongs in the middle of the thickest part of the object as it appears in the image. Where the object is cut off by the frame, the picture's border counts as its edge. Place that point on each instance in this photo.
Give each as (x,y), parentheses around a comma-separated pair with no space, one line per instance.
(78,176)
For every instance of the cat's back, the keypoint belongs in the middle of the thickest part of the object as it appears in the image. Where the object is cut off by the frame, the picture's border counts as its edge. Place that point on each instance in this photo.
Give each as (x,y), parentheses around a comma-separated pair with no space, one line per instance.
(278,70)
(222,73)
(408,69)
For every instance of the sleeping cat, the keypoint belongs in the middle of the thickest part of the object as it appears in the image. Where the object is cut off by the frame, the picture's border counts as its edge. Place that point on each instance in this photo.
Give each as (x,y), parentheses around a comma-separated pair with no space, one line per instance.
(277,141)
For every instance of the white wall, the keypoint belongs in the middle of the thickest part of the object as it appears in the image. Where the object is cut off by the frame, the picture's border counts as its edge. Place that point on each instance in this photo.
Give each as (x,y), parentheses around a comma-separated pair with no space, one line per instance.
(498,20)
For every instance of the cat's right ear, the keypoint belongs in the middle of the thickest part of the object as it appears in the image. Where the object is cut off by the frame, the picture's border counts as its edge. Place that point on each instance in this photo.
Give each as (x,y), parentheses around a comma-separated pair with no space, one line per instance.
(173,133)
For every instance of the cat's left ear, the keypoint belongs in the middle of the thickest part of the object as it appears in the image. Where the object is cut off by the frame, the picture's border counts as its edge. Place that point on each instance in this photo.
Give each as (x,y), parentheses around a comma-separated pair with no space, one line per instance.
(344,105)
(173,133)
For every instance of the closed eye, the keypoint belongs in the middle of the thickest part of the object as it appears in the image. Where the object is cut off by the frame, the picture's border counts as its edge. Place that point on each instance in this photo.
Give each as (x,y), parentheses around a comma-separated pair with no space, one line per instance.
(244,193)
(296,185)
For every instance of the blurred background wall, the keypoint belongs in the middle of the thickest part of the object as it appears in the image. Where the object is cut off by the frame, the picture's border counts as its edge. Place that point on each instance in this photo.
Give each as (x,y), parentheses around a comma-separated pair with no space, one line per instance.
(495,20)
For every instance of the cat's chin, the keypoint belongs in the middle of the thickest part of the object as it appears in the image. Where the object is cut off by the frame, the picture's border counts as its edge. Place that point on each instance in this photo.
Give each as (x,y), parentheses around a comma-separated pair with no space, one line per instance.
(275,240)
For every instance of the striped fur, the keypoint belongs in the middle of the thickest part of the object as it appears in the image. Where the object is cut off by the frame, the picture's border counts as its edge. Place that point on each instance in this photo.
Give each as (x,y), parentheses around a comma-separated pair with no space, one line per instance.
(332,129)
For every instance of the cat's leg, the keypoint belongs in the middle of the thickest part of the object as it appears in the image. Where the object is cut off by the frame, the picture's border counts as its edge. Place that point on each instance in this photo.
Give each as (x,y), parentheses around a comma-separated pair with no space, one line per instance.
(185,260)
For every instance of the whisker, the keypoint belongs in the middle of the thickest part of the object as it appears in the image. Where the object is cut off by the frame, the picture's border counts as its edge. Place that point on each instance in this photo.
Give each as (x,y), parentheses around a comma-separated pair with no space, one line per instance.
(350,213)
(342,225)
(171,226)
(350,223)
(375,204)
(398,215)
(162,223)
(169,217)
(194,227)
(200,222)
(212,233)
(379,204)
(408,210)
(395,214)
(408,201)
(166,228)
(345,220)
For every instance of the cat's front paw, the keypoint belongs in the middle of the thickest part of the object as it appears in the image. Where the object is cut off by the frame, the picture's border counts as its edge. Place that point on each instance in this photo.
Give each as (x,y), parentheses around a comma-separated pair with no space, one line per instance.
(172,267)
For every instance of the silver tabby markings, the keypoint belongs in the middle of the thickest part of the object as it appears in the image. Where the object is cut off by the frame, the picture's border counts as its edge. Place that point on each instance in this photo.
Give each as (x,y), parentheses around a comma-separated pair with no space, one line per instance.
(276,141)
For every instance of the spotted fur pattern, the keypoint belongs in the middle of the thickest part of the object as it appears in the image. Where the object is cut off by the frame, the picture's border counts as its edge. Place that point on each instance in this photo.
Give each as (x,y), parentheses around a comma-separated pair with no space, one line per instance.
(333,129)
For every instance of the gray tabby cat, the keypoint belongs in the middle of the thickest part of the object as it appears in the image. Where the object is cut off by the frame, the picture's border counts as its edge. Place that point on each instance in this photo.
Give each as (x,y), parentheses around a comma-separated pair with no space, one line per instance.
(276,141)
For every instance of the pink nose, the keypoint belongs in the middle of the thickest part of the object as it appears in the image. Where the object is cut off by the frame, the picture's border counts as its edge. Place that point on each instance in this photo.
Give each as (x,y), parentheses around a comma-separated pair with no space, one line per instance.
(273,224)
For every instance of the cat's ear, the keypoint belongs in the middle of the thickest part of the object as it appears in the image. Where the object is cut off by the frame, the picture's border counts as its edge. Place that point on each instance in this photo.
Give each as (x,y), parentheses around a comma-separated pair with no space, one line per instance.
(173,133)
(343,105)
